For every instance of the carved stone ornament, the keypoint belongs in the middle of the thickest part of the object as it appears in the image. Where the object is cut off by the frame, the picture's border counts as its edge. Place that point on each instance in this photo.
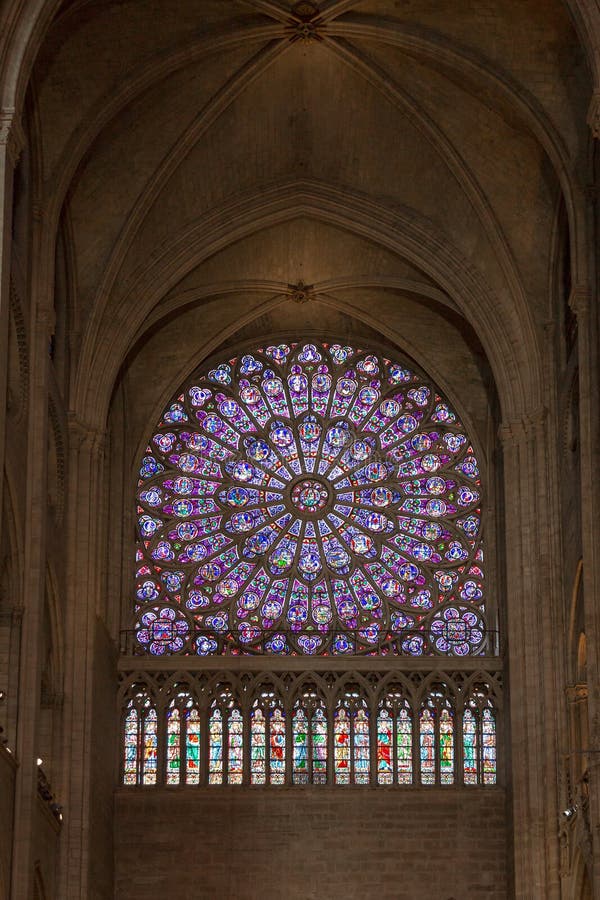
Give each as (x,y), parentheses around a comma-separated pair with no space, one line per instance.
(12,135)
(579,299)
(576,693)
(305,23)
(300,292)
(593,116)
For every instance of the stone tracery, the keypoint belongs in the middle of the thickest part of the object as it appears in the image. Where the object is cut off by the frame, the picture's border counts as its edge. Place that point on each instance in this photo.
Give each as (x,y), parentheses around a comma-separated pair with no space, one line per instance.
(310,499)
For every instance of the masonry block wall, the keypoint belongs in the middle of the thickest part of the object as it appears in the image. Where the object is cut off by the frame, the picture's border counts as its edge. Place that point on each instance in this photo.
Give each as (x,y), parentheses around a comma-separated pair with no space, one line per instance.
(310,844)
(7,791)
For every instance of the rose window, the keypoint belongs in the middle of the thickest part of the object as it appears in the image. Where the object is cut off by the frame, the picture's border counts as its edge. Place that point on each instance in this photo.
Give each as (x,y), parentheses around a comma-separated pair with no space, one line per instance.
(310,499)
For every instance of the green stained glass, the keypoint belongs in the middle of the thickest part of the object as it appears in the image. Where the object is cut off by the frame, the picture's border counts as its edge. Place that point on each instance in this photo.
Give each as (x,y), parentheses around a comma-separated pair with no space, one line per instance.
(404,746)
(470,749)
(300,774)
(427,746)
(319,747)
(236,747)
(489,746)
(446,747)
(215,765)
(341,738)
(257,747)
(192,747)
(173,746)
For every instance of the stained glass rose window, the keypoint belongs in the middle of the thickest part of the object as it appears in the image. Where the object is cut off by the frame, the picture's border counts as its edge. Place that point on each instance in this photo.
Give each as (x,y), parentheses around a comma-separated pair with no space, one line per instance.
(308,499)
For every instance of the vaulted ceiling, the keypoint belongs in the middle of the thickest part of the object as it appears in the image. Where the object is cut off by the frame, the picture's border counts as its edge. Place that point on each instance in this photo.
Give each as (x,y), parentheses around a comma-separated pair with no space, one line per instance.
(405,159)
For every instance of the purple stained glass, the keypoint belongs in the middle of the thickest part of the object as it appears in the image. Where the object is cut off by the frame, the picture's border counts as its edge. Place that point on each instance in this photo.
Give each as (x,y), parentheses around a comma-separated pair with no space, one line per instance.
(309,499)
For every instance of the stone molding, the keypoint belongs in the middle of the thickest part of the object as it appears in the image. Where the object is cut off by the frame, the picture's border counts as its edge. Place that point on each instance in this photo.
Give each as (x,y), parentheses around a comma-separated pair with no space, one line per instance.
(12,135)
(526,427)
(575,693)
(579,299)
(400,229)
(59,446)
(593,116)
(84,436)
(300,292)
(306,24)
(16,310)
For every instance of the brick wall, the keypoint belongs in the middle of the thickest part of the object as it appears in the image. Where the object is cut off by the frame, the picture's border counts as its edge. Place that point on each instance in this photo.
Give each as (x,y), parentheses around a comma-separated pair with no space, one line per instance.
(304,844)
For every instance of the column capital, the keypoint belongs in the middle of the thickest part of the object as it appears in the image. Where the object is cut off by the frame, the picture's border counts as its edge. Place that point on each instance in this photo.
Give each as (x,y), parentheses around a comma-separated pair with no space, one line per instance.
(579,299)
(575,693)
(84,436)
(593,116)
(12,135)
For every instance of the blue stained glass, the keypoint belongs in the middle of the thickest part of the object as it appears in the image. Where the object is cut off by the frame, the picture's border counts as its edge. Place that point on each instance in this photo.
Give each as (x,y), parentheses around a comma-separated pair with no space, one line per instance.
(309,463)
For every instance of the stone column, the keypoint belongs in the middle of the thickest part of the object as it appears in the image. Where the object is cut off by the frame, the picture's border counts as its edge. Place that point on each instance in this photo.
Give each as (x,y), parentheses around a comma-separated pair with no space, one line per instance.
(534,653)
(84,567)
(589,416)
(34,580)
(11,143)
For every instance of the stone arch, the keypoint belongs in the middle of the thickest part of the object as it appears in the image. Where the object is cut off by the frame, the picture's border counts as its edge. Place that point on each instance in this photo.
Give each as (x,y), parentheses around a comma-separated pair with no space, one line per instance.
(518,377)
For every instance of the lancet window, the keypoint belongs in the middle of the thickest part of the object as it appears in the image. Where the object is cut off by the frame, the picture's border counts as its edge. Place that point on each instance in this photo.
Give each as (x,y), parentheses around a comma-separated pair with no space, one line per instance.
(394,740)
(310,733)
(183,741)
(441,735)
(352,753)
(226,740)
(267,740)
(140,739)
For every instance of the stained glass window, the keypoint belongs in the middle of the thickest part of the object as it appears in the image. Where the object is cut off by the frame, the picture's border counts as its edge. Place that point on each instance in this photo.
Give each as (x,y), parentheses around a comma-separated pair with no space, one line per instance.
(267,740)
(479,741)
(341,734)
(140,748)
(257,747)
(215,765)
(235,732)
(301,770)
(308,499)
(173,746)
(385,748)
(319,746)
(488,740)
(192,746)
(130,762)
(427,744)
(351,735)
(362,746)
(352,742)
(309,740)
(446,739)
(394,741)
(183,741)
(404,745)
(277,746)
(470,748)
(150,758)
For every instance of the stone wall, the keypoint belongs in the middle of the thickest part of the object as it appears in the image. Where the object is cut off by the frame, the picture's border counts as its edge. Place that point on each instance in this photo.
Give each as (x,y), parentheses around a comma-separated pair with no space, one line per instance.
(304,844)
(7,795)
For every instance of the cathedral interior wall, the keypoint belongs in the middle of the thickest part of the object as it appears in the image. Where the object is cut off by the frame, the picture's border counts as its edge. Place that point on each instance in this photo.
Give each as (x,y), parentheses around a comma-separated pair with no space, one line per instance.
(308,844)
